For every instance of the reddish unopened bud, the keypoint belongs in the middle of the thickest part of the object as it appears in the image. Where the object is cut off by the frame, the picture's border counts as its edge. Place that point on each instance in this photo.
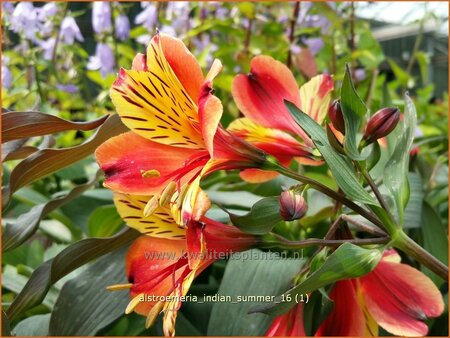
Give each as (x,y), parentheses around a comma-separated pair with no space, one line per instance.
(292,205)
(381,124)
(336,117)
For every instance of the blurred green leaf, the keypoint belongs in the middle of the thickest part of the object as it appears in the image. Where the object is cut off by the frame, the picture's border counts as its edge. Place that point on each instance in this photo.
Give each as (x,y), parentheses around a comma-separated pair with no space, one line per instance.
(62,264)
(6,329)
(17,124)
(14,234)
(263,216)
(104,221)
(33,326)
(396,170)
(435,238)
(340,168)
(413,211)
(347,261)
(353,110)
(266,276)
(47,161)
(84,306)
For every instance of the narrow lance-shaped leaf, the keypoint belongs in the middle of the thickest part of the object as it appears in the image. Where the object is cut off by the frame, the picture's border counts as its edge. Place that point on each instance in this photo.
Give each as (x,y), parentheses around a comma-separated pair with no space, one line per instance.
(14,234)
(353,110)
(263,216)
(62,264)
(76,294)
(18,124)
(47,161)
(348,261)
(396,169)
(341,169)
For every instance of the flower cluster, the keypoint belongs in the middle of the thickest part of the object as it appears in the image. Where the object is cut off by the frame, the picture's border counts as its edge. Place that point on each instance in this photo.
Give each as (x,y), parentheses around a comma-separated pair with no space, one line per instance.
(176,139)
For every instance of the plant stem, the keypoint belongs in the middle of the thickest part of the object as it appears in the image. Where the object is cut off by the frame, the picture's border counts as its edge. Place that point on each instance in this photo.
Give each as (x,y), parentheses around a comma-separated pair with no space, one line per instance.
(287,244)
(414,250)
(292,31)
(329,192)
(248,35)
(58,36)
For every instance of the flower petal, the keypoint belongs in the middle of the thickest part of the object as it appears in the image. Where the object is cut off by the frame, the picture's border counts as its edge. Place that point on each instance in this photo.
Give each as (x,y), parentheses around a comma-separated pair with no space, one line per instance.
(347,317)
(159,224)
(125,157)
(260,95)
(273,141)
(289,324)
(258,175)
(184,64)
(400,297)
(154,103)
(315,96)
(210,112)
(146,261)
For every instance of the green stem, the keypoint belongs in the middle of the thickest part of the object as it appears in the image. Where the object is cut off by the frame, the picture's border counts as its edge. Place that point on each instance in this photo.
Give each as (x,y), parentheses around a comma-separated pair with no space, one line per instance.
(329,192)
(414,250)
(287,244)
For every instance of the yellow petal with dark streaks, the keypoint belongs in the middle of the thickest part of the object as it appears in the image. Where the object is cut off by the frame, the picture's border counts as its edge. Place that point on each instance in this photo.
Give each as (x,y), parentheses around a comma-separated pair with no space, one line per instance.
(155,109)
(159,224)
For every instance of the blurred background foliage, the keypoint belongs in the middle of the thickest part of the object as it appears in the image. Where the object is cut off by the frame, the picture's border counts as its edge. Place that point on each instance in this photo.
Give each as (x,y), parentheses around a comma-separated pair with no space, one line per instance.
(61,59)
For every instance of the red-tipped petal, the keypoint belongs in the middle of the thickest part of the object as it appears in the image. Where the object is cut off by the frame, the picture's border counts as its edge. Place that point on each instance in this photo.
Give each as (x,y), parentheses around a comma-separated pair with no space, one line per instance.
(210,112)
(347,317)
(151,266)
(183,63)
(315,97)
(257,175)
(289,324)
(400,297)
(140,62)
(273,141)
(261,94)
(125,157)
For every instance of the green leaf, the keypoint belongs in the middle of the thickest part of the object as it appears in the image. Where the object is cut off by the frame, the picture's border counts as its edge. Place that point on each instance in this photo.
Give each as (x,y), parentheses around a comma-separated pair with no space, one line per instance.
(263,216)
(341,169)
(33,326)
(413,211)
(6,330)
(14,234)
(348,261)
(396,169)
(266,276)
(353,110)
(18,124)
(84,306)
(62,264)
(104,221)
(47,161)
(435,238)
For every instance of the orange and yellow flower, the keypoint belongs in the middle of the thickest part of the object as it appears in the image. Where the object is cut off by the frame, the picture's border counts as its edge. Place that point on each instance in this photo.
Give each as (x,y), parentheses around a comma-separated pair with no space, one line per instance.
(176,136)
(268,124)
(160,274)
(395,296)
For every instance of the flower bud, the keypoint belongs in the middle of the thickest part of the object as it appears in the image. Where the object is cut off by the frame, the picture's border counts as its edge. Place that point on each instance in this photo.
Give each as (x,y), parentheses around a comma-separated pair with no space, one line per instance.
(381,124)
(292,205)
(336,117)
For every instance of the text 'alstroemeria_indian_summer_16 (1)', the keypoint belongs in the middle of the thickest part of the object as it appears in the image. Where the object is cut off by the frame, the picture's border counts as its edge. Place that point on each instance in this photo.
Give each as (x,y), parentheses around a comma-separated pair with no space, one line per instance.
(394,296)
(176,137)
(267,123)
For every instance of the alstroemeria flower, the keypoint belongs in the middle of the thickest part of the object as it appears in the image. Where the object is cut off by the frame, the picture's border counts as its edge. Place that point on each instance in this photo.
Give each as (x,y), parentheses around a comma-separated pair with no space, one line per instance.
(160,275)
(175,128)
(268,124)
(395,296)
